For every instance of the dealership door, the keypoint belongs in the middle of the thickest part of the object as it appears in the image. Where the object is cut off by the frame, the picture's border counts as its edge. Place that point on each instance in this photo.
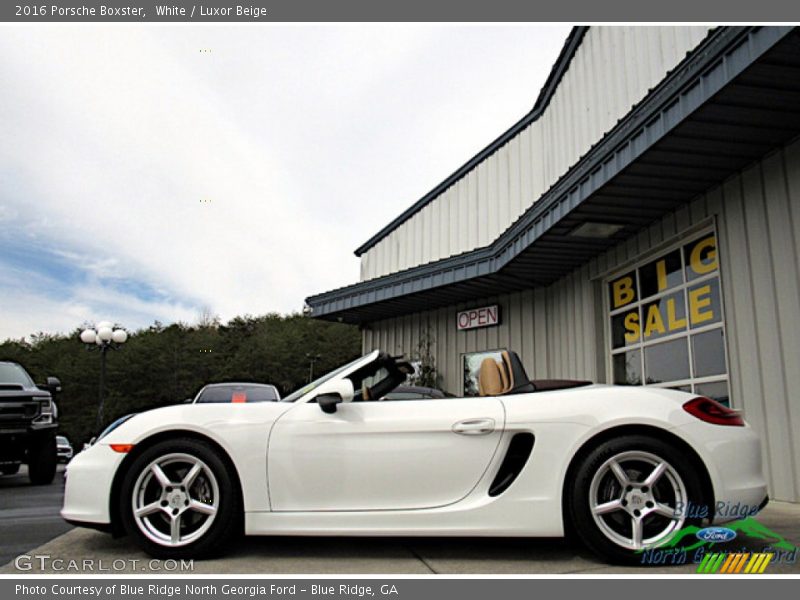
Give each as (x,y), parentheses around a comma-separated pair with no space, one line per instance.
(383,455)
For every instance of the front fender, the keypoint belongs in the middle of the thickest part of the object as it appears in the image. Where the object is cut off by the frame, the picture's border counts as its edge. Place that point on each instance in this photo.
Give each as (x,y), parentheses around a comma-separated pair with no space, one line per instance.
(240,430)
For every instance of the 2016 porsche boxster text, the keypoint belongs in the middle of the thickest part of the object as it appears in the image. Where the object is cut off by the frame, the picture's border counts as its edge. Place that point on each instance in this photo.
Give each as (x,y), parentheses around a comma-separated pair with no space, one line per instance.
(614,465)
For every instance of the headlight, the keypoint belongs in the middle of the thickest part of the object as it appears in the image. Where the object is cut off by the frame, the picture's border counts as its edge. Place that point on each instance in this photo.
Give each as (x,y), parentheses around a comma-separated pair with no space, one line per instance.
(46,410)
(112,427)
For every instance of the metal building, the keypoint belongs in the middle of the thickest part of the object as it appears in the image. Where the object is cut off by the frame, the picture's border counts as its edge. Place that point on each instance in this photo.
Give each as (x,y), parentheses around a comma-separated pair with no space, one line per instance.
(641,225)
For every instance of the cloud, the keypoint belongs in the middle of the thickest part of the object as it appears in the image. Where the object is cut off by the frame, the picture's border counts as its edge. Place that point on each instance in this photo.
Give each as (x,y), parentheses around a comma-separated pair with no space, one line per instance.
(142,178)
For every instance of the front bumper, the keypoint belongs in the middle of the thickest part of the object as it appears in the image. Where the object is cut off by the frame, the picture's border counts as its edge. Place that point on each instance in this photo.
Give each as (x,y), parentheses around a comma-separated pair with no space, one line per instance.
(87,493)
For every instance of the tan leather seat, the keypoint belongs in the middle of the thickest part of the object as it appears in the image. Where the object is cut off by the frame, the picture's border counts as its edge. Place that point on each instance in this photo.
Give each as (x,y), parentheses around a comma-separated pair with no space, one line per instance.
(493,378)
(490,382)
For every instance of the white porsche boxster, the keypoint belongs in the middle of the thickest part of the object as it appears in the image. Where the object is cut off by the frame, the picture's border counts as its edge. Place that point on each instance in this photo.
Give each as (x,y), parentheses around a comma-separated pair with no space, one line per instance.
(623,468)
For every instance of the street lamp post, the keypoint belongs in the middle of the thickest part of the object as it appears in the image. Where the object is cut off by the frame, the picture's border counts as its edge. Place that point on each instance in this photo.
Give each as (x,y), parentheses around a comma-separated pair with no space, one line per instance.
(312,358)
(103,339)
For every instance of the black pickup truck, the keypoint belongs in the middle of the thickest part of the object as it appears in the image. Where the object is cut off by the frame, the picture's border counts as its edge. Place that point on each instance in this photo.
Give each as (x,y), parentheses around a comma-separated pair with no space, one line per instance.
(28,424)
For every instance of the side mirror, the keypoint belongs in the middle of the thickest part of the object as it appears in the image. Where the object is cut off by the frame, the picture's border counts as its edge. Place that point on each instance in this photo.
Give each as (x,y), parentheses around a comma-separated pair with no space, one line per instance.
(340,389)
(54,385)
(328,402)
(188,401)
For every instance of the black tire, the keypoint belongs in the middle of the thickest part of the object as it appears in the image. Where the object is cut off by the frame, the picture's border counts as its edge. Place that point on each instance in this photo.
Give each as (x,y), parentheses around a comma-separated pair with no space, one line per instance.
(606,534)
(42,461)
(9,469)
(139,481)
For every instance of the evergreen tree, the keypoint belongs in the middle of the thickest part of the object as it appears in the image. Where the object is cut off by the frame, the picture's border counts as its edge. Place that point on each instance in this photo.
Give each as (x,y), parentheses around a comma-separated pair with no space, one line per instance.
(161,365)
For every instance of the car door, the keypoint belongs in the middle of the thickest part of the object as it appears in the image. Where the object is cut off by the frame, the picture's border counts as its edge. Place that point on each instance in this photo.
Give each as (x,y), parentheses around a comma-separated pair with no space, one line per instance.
(381,455)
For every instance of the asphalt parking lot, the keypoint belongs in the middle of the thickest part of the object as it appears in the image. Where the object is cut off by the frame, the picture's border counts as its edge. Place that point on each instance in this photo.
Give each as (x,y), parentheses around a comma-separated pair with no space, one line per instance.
(30,526)
(29,513)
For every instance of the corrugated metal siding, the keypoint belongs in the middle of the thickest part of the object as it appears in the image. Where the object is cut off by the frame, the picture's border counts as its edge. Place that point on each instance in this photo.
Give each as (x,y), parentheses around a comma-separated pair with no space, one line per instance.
(758,227)
(558,330)
(612,70)
(543,325)
(761,225)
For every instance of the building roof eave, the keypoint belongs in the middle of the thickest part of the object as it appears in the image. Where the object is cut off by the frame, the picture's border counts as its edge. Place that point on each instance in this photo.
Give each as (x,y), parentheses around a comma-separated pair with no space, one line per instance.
(571,44)
(688,113)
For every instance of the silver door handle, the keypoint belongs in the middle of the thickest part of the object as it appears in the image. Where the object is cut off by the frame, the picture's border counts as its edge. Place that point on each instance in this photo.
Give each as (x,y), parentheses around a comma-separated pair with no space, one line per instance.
(474,427)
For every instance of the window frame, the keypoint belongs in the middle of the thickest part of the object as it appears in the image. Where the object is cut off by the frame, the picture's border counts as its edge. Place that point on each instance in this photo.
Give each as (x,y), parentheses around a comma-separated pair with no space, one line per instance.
(679,243)
(463,358)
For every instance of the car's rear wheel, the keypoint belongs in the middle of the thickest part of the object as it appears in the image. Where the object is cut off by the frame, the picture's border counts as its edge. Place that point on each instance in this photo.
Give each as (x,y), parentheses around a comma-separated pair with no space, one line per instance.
(631,494)
(42,460)
(180,500)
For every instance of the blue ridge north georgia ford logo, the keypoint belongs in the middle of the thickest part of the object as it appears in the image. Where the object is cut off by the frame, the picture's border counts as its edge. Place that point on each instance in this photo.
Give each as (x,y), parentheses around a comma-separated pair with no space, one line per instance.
(716,534)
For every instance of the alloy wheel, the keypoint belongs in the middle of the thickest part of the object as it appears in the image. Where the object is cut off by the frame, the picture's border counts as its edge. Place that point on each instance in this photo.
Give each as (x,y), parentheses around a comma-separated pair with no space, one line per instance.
(175,499)
(637,499)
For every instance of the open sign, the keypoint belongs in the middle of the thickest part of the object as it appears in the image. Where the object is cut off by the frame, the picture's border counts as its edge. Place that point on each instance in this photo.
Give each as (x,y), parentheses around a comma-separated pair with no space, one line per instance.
(486,316)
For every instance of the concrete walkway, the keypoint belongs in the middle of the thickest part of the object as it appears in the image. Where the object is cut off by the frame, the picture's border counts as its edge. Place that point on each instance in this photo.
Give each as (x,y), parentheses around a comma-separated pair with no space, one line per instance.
(298,555)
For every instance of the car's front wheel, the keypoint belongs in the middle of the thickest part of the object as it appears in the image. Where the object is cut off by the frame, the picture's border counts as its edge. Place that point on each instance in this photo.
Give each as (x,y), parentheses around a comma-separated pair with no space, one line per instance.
(631,494)
(180,500)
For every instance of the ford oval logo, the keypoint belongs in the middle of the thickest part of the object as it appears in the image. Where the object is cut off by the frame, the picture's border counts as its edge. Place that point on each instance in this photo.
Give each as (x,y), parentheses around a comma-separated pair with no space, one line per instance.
(716,534)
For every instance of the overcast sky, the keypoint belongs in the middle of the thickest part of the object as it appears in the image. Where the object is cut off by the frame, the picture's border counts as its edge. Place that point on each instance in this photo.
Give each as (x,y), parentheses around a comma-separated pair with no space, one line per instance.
(143,179)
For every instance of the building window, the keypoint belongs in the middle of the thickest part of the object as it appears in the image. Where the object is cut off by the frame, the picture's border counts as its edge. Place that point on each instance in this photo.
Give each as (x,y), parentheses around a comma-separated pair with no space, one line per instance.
(472,368)
(666,322)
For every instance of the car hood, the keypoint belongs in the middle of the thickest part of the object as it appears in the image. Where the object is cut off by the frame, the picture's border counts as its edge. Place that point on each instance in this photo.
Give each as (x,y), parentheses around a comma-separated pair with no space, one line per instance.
(22,394)
(218,421)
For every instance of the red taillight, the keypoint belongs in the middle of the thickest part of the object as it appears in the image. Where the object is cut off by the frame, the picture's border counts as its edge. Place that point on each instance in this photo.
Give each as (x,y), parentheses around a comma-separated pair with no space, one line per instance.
(122,448)
(239,397)
(711,411)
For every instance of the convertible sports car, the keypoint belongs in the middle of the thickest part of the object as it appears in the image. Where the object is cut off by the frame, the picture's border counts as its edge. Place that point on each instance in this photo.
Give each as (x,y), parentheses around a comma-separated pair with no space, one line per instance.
(621,467)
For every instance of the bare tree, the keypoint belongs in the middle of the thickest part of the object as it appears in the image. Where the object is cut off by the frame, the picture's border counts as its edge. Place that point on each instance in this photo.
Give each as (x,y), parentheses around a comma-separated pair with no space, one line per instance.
(206,319)
(424,360)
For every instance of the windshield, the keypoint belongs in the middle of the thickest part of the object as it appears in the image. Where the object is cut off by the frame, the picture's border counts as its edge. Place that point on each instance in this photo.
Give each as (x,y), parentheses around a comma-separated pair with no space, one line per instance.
(15,375)
(238,393)
(317,382)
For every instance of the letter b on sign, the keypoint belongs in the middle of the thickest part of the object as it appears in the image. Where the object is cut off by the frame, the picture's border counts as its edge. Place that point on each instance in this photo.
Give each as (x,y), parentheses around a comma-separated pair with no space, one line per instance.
(623,291)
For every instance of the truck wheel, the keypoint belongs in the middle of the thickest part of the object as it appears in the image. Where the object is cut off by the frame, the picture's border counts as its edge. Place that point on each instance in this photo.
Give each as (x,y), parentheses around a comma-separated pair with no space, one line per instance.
(9,469)
(42,461)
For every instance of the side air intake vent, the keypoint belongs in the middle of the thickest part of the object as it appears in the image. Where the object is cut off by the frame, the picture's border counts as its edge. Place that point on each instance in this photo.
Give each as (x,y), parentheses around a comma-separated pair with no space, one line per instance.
(517,455)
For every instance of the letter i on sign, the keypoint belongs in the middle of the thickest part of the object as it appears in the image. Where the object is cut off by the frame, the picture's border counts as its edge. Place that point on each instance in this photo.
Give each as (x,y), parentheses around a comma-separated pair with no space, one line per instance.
(661,273)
